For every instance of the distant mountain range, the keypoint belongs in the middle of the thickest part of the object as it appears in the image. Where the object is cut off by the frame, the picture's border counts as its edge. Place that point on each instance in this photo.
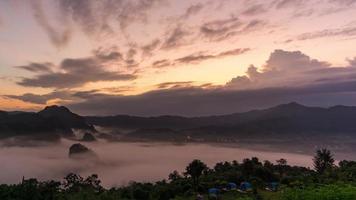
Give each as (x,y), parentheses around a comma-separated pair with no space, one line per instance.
(283,121)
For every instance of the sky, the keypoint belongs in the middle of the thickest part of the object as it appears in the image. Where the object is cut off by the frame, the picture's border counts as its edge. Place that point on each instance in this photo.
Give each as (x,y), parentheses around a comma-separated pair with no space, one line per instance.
(176,57)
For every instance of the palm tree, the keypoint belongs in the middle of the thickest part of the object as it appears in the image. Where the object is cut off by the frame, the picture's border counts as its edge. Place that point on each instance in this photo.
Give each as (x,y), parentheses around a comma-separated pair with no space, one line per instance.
(323,160)
(195,169)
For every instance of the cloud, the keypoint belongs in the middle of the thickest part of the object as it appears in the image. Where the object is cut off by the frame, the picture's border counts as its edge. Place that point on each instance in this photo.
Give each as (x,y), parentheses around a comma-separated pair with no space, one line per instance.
(166,85)
(103,16)
(254,10)
(282,68)
(338,32)
(77,72)
(194,101)
(220,29)
(199,57)
(175,38)
(286,76)
(343,2)
(108,55)
(37,67)
(41,99)
(193,10)
(149,48)
(57,37)
(162,63)
(65,95)
(280,4)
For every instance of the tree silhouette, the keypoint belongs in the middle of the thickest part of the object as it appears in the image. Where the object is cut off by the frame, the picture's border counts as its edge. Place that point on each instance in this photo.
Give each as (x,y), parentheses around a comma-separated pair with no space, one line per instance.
(323,160)
(281,166)
(195,169)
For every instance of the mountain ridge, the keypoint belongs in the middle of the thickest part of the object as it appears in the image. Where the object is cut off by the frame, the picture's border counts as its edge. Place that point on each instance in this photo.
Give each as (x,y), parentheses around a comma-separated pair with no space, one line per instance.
(290,119)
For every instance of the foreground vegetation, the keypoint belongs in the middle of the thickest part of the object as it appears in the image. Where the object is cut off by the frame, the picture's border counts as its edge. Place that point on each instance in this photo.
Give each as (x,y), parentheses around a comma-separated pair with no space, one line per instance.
(325,181)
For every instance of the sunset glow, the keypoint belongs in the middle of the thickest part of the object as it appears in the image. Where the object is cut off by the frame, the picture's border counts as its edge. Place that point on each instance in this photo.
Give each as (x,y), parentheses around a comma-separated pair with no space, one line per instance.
(79,52)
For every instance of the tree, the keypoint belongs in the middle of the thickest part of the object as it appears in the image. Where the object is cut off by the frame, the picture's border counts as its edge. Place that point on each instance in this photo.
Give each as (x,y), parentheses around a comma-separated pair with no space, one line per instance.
(282,162)
(195,169)
(73,182)
(93,182)
(174,176)
(281,166)
(323,160)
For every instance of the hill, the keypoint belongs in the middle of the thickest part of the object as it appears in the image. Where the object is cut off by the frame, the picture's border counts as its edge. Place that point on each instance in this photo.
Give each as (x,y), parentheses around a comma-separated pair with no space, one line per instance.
(48,124)
(284,122)
(285,117)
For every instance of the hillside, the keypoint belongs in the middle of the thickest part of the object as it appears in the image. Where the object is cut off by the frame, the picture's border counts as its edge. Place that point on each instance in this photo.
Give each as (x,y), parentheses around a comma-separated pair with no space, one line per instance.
(291,117)
(48,124)
(286,121)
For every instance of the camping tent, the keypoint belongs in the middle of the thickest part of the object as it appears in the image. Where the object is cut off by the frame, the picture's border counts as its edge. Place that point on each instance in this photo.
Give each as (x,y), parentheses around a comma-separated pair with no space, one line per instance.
(245,186)
(232,186)
(213,191)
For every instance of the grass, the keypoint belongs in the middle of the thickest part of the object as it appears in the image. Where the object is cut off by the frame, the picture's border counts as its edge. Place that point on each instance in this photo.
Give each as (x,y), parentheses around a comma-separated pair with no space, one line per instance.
(234,195)
(327,192)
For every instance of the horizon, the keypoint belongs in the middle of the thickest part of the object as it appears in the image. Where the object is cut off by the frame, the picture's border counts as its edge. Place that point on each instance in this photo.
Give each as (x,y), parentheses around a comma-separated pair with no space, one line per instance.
(168,57)
(149,116)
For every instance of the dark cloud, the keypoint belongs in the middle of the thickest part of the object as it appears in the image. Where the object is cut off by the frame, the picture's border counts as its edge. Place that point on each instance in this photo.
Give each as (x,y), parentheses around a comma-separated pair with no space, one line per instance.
(194,58)
(68,95)
(149,48)
(162,63)
(195,101)
(77,72)
(108,55)
(199,57)
(254,10)
(38,67)
(118,89)
(193,10)
(88,94)
(57,36)
(280,4)
(175,38)
(338,32)
(233,52)
(166,85)
(41,98)
(103,16)
(220,29)
(343,2)
(94,18)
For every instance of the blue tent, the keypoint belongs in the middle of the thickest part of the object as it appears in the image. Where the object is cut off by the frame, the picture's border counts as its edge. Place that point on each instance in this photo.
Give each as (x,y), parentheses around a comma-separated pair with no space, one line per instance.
(273,186)
(245,186)
(213,191)
(231,186)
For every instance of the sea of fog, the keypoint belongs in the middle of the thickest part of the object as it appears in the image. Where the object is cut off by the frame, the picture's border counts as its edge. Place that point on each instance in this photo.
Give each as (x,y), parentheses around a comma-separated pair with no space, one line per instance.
(120,163)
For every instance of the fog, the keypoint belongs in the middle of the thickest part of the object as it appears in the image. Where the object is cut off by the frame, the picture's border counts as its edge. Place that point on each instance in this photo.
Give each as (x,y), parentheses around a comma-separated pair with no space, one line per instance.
(120,163)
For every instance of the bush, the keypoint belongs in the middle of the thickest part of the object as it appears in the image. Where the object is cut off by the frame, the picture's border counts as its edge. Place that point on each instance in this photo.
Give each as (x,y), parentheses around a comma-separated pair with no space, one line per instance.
(328,192)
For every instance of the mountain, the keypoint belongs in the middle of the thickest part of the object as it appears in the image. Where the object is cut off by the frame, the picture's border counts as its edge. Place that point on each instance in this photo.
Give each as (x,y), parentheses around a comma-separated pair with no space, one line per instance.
(63,117)
(48,124)
(284,120)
